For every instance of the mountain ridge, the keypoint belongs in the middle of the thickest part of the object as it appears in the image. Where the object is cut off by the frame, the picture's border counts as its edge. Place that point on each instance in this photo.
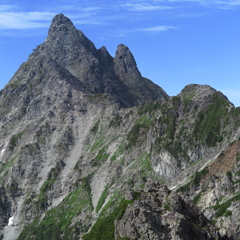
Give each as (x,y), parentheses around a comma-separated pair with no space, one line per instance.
(86,142)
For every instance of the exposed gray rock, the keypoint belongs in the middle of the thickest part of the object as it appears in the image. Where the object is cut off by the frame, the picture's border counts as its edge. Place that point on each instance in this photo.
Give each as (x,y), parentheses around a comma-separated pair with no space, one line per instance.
(161,214)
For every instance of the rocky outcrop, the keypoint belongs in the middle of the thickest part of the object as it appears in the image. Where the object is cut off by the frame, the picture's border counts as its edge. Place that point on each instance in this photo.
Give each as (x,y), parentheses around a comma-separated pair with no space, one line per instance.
(161,214)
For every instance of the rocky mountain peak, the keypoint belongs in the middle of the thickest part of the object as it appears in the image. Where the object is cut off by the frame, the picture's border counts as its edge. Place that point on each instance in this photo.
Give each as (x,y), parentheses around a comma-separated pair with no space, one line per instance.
(61,26)
(63,35)
(61,20)
(125,64)
(74,56)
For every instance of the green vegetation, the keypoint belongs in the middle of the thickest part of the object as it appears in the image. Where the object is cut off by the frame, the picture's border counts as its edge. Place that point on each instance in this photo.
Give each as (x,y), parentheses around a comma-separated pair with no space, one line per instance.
(25,66)
(7,165)
(102,199)
(229,174)
(228,213)
(136,195)
(235,113)
(95,127)
(207,128)
(176,101)
(139,129)
(221,209)
(172,131)
(58,222)
(98,142)
(42,197)
(200,175)
(116,121)
(145,120)
(101,156)
(86,186)
(185,188)
(149,108)
(78,163)
(196,162)
(16,83)
(97,97)
(198,196)
(167,207)
(187,99)
(144,168)
(195,180)
(118,153)
(104,227)
(14,140)
(143,163)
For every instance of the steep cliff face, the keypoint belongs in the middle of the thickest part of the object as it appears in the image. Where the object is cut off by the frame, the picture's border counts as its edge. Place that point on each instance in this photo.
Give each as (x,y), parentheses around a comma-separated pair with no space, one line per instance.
(84,136)
(215,189)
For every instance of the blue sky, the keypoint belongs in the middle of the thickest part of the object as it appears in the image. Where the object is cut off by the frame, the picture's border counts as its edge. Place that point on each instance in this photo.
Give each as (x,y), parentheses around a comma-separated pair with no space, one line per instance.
(174,42)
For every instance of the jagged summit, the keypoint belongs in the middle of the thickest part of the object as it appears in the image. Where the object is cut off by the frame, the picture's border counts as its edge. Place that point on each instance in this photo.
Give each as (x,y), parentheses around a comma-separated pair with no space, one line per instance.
(75,57)
(125,65)
(60,21)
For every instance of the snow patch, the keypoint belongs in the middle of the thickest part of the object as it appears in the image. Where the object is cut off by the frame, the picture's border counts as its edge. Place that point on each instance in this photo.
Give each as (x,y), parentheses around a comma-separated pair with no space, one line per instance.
(10,221)
(3,152)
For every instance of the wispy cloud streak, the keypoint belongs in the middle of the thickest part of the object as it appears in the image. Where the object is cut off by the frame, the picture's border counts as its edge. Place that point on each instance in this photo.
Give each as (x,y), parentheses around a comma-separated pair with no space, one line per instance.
(24,20)
(156,29)
(13,17)
(144,7)
(216,3)
(122,33)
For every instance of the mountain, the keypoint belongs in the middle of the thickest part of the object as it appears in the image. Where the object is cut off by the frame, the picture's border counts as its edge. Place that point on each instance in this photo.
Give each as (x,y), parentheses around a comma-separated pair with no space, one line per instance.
(90,149)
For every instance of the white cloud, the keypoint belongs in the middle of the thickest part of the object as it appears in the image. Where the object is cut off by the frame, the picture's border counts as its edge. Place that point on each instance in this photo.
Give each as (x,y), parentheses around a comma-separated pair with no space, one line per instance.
(227,5)
(14,18)
(122,33)
(217,3)
(156,29)
(24,20)
(95,13)
(230,2)
(144,7)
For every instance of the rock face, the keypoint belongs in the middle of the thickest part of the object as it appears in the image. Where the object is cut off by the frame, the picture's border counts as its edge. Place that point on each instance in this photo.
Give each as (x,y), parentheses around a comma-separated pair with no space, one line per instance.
(84,136)
(161,214)
(95,70)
